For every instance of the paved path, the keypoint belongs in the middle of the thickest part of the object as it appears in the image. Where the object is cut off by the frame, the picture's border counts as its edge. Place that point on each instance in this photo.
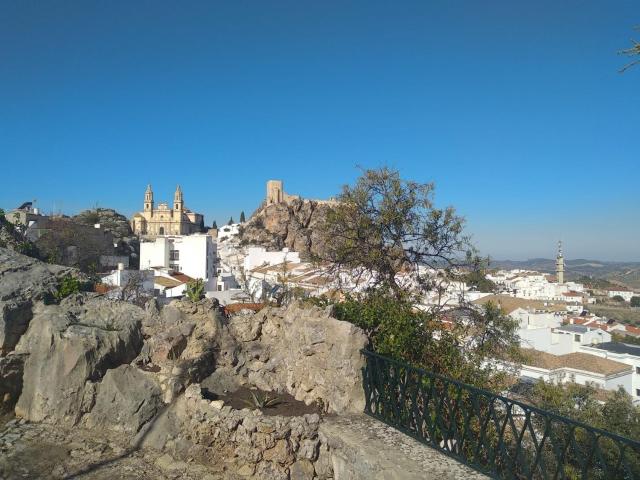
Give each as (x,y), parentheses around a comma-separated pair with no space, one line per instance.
(368,449)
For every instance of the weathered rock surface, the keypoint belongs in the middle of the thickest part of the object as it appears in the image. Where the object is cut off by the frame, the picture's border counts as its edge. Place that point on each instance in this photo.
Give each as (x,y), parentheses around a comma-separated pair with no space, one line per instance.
(125,400)
(69,346)
(23,281)
(108,218)
(180,345)
(294,225)
(44,451)
(301,350)
(11,371)
(360,447)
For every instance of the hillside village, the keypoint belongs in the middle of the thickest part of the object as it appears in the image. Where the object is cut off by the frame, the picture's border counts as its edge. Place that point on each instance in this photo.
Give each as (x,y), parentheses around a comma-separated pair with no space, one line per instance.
(240,263)
(163,254)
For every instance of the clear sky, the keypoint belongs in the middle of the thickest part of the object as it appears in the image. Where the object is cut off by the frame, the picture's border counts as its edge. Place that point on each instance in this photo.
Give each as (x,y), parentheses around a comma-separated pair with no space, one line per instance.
(515,109)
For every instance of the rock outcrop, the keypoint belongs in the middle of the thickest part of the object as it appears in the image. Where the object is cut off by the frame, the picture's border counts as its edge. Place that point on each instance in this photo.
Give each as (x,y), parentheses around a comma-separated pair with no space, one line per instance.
(294,224)
(301,350)
(125,400)
(118,225)
(150,374)
(70,347)
(181,342)
(23,282)
(108,219)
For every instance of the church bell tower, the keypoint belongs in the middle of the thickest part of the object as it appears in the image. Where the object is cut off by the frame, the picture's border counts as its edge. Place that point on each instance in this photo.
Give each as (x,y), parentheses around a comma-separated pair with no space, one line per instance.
(560,264)
(148,199)
(178,202)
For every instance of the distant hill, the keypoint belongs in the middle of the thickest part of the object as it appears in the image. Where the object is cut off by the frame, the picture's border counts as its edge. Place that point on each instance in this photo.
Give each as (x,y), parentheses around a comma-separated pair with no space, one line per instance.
(625,273)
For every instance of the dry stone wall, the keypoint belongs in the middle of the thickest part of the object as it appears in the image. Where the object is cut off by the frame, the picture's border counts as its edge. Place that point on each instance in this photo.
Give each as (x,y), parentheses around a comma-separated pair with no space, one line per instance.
(244,441)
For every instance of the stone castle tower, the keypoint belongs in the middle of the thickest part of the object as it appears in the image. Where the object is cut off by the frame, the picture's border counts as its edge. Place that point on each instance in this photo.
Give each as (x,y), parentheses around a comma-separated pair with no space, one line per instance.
(560,264)
(276,193)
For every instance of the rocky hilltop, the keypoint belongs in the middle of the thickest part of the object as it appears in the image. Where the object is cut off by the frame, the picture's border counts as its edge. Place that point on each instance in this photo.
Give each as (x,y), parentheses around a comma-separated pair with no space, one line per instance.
(165,380)
(108,219)
(294,224)
(126,242)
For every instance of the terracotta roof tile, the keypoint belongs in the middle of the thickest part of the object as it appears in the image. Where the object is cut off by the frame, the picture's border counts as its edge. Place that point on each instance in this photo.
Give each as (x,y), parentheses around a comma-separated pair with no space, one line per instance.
(576,361)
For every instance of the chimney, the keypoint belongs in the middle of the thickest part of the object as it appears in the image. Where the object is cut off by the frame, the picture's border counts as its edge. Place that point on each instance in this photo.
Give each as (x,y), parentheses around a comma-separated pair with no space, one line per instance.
(120,266)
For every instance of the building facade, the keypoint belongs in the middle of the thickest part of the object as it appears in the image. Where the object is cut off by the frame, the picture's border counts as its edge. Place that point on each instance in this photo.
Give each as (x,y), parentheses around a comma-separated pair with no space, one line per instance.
(153,222)
(192,255)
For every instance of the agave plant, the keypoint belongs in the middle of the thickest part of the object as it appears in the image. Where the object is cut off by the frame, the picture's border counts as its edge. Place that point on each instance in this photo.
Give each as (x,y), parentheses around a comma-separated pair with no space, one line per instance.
(262,401)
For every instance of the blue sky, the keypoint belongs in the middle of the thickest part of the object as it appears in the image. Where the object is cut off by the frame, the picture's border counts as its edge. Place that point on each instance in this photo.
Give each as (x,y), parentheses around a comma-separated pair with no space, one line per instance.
(515,109)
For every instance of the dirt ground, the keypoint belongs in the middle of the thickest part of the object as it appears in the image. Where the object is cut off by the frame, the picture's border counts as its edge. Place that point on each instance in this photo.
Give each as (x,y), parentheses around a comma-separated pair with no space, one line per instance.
(40,451)
(283,403)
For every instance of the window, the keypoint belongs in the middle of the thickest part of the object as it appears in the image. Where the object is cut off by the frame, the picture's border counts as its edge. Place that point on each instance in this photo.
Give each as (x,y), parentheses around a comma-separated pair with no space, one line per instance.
(638,370)
(637,392)
(576,338)
(174,266)
(161,231)
(174,254)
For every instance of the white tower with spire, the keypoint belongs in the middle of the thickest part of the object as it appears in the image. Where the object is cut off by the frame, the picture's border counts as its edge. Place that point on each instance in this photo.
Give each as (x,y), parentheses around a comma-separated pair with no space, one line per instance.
(560,264)
(178,201)
(148,199)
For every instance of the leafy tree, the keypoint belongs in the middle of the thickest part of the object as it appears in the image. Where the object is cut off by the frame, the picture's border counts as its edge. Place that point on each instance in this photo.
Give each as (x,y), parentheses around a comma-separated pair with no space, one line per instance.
(386,231)
(618,298)
(476,278)
(463,346)
(215,225)
(633,52)
(242,217)
(384,225)
(618,414)
(230,221)
(635,301)
(195,290)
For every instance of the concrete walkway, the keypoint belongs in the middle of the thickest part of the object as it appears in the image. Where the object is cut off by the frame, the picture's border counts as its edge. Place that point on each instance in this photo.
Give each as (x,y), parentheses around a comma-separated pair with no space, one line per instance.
(364,448)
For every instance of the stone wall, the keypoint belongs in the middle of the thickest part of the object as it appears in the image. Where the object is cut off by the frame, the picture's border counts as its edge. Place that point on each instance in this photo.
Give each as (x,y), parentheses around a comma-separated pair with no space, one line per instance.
(244,441)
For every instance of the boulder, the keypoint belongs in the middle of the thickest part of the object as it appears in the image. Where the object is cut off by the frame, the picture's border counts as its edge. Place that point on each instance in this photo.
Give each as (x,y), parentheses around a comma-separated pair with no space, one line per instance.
(69,346)
(301,350)
(23,281)
(125,400)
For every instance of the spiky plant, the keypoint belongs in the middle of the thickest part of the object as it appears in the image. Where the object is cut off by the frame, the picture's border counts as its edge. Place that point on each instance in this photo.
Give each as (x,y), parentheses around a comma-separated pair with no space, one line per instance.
(262,401)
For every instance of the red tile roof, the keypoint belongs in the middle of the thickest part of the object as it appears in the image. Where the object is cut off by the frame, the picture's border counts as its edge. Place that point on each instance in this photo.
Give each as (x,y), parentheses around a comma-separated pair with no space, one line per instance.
(182,277)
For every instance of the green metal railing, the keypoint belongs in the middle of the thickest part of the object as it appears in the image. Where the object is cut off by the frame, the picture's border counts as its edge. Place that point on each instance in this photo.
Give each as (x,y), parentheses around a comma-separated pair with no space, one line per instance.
(498,436)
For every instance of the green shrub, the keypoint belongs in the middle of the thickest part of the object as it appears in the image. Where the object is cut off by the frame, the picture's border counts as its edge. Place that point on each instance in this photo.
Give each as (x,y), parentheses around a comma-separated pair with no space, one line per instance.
(195,290)
(68,286)
(635,301)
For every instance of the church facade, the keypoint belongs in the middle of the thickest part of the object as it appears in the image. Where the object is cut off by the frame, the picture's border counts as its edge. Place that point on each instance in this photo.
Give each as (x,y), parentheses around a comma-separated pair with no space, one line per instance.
(153,222)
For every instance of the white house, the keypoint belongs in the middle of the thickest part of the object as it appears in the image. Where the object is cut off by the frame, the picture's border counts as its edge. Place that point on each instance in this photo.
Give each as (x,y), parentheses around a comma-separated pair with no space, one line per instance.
(259,256)
(622,353)
(192,255)
(577,367)
(121,277)
(621,292)
(228,231)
